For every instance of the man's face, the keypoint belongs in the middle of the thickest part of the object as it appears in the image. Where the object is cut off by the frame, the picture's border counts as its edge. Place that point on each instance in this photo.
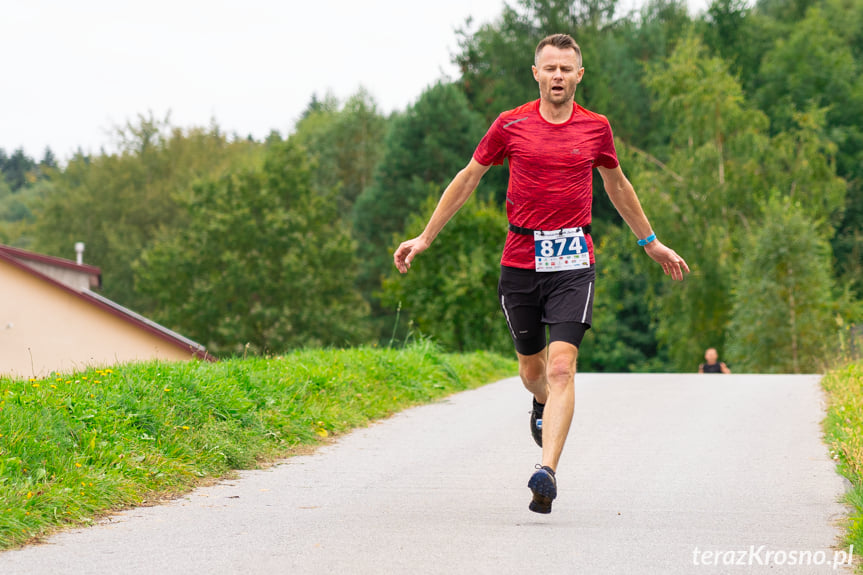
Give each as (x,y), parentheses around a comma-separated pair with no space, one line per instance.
(558,72)
(711,356)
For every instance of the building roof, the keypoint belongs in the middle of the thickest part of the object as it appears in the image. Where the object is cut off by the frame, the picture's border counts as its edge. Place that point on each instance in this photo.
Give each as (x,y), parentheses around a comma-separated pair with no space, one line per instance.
(27,256)
(18,258)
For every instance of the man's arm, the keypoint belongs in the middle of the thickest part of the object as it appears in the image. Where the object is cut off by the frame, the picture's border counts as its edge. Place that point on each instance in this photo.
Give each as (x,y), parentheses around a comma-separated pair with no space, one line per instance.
(622,195)
(453,198)
(724,368)
(700,368)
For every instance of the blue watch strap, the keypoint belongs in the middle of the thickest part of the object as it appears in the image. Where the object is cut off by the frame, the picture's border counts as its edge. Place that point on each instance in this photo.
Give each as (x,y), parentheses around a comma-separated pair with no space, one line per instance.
(647,240)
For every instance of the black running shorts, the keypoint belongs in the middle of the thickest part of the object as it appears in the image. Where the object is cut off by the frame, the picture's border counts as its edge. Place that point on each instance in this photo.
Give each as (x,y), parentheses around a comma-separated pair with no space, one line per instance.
(532,300)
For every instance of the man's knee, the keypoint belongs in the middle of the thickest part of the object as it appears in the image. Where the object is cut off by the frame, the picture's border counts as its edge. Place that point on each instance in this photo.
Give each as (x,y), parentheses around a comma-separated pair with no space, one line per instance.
(560,373)
(561,368)
(532,369)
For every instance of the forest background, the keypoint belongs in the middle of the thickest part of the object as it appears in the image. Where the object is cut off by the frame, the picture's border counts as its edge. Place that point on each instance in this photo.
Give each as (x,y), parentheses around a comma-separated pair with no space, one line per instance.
(739,127)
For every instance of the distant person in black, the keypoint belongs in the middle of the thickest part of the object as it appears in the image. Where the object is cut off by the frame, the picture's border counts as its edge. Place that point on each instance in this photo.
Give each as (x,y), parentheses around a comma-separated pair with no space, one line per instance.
(712,364)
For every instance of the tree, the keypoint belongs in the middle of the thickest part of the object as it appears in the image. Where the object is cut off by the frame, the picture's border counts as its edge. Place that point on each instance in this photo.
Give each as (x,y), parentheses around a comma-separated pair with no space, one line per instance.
(495,60)
(5,197)
(801,164)
(741,35)
(726,21)
(495,63)
(424,148)
(709,193)
(48,161)
(623,334)
(848,242)
(29,186)
(329,104)
(798,73)
(19,169)
(782,315)
(18,207)
(345,144)
(116,203)
(450,291)
(784,11)
(263,260)
(700,198)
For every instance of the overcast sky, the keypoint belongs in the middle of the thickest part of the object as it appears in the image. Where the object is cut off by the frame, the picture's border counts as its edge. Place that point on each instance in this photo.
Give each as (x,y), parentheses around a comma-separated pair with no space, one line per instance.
(72,69)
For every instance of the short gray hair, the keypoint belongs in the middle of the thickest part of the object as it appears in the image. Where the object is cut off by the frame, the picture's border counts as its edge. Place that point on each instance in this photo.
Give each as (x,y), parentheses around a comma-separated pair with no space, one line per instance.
(562,41)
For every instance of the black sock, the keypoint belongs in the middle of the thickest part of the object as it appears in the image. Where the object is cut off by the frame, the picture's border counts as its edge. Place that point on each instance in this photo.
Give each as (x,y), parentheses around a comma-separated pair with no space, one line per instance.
(538,408)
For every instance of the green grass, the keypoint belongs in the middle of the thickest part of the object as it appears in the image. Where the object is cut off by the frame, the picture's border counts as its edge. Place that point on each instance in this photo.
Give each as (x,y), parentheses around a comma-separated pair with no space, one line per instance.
(843,428)
(74,447)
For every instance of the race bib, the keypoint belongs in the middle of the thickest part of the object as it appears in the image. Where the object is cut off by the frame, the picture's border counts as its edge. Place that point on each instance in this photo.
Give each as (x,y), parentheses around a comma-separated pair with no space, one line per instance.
(560,250)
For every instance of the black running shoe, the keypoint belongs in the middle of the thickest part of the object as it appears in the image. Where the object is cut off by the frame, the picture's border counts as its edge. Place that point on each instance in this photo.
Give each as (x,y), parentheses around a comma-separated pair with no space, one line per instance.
(536,421)
(544,487)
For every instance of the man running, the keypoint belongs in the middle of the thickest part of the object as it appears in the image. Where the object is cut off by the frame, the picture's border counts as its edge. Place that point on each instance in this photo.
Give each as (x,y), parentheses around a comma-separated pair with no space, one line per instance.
(547,268)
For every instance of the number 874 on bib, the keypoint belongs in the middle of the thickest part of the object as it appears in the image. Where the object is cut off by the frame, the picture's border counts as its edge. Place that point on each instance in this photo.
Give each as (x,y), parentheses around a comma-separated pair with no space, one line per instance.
(561,250)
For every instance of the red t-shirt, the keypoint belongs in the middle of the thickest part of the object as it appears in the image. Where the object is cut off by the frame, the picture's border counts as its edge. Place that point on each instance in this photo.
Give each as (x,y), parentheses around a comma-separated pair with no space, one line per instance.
(550,171)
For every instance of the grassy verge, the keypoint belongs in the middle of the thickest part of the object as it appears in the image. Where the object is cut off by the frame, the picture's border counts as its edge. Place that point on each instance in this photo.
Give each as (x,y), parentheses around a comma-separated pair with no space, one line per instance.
(843,428)
(73,447)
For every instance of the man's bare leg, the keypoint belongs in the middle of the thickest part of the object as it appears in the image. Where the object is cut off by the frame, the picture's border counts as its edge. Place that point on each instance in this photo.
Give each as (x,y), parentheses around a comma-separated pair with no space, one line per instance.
(532,369)
(550,376)
(557,417)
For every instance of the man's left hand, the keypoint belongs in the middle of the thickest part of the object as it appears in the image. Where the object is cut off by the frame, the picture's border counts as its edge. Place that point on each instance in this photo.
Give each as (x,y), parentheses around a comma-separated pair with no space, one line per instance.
(672,264)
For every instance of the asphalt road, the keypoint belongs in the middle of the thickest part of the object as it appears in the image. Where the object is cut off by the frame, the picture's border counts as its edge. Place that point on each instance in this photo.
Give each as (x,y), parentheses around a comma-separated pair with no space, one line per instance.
(660,473)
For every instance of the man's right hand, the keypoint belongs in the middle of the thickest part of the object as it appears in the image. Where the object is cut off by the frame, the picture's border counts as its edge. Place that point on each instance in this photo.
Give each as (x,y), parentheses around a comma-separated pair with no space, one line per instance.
(407,251)
(454,197)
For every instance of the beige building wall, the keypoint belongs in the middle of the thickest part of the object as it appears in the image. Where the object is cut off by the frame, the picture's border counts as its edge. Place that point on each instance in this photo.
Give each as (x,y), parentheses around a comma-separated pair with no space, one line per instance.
(44,328)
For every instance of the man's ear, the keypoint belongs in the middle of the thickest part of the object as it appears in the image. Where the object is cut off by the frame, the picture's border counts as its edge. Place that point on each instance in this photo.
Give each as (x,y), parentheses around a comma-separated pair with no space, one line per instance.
(534,70)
